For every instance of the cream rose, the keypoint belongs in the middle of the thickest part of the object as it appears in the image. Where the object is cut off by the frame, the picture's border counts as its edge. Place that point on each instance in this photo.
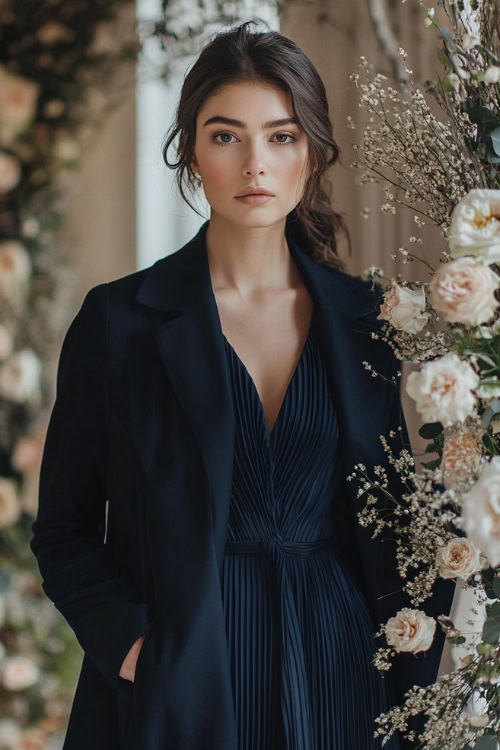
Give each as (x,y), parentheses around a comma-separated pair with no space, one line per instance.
(10,507)
(404,308)
(459,558)
(475,226)
(461,456)
(15,270)
(10,172)
(464,291)
(481,511)
(18,673)
(18,100)
(410,630)
(442,390)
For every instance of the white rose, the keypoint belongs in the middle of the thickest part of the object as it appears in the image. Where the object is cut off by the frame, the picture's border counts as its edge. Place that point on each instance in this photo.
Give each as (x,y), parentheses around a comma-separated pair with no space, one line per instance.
(464,291)
(404,308)
(475,226)
(459,559)
(15,270)
(10,734)
(442,390)
(18,672)
(9,502)
(492,74)
(10,172)
(481,511)
(20,376)
(18,100)
(410,630)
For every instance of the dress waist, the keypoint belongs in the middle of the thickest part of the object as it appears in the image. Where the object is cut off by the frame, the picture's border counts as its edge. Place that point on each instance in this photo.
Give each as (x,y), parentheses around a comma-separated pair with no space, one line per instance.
(275,543)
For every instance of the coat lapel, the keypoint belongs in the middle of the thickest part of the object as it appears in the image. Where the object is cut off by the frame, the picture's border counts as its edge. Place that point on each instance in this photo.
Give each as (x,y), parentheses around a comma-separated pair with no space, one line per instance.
(192,350)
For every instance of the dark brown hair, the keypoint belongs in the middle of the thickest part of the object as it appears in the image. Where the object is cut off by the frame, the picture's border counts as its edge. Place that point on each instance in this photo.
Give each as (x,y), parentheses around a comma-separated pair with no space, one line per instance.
(269,58)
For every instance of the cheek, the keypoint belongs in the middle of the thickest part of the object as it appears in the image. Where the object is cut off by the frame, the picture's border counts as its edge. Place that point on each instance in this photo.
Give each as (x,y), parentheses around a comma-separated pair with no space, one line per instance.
(215,169)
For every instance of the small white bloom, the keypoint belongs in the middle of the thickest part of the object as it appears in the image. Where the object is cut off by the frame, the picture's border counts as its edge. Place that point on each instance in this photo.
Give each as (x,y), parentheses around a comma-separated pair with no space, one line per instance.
(442,390)
(404,308)
(20,376)
(454,80)
(66,148)
(464,291)
(481,511)
(475,226)
(52,32)
(470,40)
(492,74)
(410,630)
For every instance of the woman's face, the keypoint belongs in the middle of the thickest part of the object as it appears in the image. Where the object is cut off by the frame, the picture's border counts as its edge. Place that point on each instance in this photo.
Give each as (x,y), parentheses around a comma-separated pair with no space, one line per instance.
(231,156)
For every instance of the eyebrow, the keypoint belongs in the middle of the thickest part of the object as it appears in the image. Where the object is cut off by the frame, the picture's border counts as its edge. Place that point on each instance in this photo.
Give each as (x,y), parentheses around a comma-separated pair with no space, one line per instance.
(240,124)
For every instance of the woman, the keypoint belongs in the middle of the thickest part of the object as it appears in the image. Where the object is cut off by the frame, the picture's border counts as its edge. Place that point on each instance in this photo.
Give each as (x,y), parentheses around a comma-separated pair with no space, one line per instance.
(226,597)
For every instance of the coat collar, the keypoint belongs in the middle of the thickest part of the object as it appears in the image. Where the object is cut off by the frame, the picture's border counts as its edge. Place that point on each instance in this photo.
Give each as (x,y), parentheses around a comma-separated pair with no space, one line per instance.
(180,281)
(192,350)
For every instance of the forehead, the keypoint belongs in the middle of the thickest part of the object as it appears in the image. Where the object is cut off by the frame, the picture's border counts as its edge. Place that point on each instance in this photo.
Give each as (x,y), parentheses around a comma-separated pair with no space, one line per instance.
(254,104)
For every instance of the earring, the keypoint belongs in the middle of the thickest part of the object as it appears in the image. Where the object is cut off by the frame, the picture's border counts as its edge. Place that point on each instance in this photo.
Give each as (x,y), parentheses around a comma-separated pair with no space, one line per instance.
(198,181)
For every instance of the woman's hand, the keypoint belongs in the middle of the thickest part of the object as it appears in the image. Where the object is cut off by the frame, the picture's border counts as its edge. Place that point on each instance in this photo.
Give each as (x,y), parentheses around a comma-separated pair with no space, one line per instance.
(128,667)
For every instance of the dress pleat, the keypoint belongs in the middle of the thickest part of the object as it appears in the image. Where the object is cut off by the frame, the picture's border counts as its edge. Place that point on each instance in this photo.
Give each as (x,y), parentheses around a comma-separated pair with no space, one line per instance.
(300,636)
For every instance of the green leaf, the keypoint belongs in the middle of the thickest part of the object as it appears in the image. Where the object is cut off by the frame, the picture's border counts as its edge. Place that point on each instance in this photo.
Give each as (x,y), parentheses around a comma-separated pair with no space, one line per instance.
(456,640)
(486,742)
(495,140)
(444,59)
(493,610)
(496,586)
(491,630)
(432,464)
(430,430)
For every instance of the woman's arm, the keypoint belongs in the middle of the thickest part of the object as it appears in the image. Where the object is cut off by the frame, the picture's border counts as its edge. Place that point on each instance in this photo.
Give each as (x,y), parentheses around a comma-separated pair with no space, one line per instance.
(69,530)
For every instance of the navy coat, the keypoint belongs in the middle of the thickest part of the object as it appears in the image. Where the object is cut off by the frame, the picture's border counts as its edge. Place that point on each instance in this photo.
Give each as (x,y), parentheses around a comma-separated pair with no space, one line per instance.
(135,486)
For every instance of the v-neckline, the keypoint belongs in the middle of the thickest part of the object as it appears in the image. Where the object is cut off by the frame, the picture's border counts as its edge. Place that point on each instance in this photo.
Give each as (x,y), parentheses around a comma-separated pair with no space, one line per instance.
(270,433)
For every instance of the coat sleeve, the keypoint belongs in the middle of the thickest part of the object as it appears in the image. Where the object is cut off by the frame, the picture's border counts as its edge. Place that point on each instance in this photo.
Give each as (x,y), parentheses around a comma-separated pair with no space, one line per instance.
(408,669)
(68,534)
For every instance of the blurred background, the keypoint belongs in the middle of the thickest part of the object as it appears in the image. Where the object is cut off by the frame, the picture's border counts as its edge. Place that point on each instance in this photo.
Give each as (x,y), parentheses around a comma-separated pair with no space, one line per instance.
(87,92)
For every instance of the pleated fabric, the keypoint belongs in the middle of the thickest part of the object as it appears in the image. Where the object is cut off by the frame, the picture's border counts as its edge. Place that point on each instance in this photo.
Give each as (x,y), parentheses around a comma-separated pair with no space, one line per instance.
(300,636)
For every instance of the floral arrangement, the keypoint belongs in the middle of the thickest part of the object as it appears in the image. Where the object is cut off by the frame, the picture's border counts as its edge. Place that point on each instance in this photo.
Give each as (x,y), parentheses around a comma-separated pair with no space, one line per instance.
(56,66)
(447,521)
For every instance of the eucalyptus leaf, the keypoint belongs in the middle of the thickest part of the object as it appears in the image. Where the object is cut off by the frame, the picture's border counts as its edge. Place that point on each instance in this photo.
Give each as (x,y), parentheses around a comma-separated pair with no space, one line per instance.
(431,430)
(491,630)
(493,610)
(496,586)
(495,140)
(446,33)
(444,59)
(483,116)
(432,464)
(486,742)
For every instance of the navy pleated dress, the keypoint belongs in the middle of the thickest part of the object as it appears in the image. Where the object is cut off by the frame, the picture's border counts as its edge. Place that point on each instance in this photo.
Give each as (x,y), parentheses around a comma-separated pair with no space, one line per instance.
(300,636)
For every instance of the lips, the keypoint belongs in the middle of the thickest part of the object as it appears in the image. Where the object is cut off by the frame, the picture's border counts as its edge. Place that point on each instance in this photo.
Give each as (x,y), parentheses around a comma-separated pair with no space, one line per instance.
(255,191)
